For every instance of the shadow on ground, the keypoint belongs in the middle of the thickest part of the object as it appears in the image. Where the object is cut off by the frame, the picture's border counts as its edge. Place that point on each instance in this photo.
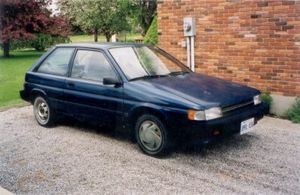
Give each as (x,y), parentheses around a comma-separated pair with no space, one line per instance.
(183,147)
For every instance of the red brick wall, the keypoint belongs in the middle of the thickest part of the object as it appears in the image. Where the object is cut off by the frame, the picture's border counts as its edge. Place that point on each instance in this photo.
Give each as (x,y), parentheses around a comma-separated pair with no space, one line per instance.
(256,43)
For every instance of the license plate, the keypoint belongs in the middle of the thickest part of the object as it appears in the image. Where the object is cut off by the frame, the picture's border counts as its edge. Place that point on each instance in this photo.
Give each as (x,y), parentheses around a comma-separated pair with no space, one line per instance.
(246,126)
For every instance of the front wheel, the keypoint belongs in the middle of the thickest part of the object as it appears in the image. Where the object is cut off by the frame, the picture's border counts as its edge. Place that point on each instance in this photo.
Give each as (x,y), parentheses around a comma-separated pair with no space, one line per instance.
(152,136)
(43,114)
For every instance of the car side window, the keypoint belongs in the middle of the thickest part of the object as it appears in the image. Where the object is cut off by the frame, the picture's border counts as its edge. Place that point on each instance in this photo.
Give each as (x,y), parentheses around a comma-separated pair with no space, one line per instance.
(92,65)
(57,62)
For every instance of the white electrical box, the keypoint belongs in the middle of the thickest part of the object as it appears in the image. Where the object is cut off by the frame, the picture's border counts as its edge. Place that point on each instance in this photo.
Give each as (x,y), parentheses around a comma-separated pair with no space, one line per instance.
(189,26)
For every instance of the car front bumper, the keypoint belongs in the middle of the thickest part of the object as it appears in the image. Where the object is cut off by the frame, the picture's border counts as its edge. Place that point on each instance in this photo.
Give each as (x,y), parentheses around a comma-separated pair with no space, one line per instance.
(227,125)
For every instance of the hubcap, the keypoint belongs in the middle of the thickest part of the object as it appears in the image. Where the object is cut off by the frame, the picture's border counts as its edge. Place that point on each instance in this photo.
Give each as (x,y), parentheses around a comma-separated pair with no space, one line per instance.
(150,135)
(41,110)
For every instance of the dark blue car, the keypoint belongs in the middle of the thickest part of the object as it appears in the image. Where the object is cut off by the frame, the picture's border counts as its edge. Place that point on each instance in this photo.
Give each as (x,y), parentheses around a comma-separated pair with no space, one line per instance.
(140,88)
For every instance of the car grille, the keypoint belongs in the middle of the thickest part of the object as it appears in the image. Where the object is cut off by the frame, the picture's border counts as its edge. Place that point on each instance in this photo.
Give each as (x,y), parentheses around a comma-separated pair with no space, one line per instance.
(235,107)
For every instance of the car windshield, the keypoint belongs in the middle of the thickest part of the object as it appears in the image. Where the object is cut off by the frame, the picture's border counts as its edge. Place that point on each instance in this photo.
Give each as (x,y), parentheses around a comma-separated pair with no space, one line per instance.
(139,62)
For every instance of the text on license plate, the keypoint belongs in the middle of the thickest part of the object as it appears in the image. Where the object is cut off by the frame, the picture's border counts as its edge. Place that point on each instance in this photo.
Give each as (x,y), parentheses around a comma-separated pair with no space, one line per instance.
(246,126)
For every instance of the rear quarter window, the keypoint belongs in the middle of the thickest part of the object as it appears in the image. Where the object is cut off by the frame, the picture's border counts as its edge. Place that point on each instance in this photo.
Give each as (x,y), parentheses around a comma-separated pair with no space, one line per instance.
(57,62)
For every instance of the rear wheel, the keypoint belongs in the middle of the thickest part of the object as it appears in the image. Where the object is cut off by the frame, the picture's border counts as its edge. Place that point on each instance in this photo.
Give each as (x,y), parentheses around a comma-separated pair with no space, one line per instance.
(152,136)
(43,114)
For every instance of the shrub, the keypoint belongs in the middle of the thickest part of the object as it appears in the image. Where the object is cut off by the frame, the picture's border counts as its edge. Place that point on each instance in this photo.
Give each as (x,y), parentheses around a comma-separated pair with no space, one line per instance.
(152,35)
(293,113)
(40,42)
(267,99)
(21,43)
(43,41)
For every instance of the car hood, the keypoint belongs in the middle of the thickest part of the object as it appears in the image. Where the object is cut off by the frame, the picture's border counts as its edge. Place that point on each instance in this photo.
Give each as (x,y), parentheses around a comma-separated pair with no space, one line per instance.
(205,91)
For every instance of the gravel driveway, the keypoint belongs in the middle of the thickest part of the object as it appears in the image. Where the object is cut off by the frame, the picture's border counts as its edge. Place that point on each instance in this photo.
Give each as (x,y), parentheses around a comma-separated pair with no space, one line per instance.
(75,159)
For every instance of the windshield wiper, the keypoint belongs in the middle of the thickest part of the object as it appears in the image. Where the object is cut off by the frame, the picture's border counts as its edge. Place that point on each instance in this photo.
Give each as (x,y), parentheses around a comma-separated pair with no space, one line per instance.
(148,77)
(179,73)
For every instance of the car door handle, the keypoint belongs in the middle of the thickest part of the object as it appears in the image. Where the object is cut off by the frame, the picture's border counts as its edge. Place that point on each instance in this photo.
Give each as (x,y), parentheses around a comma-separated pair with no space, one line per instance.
(70,83)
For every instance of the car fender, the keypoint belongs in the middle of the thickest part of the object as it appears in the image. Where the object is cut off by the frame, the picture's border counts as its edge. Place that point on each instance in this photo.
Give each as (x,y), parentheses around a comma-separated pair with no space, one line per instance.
(36,91)
(164,113)
(146,108)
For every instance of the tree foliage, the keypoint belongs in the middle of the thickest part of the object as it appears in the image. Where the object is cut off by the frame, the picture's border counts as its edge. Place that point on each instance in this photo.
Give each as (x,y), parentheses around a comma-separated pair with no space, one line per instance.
(23,19)
(144,12)
(98,16)
(65,10)
(109,16)
(152,35)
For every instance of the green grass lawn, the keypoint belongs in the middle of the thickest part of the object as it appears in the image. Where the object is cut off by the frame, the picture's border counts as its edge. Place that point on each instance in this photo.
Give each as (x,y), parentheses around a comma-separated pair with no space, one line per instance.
(12,71)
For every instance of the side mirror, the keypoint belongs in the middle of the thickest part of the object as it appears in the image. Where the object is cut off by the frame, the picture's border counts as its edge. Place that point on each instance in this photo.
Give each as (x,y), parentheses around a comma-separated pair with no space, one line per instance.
(111,81)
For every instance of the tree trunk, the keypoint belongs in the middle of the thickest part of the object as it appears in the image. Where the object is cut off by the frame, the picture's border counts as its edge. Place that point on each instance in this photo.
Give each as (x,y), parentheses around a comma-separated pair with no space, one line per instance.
(96,35)
(107,36)
(6,49)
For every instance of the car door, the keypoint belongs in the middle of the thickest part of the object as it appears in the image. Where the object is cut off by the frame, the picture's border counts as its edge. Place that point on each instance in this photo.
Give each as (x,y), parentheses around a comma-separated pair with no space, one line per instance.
(85,93)
(49,76)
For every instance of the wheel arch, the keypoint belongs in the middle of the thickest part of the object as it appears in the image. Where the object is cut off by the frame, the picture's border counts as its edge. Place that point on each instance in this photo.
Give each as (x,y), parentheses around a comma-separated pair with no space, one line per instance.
(137,112)
(36,92)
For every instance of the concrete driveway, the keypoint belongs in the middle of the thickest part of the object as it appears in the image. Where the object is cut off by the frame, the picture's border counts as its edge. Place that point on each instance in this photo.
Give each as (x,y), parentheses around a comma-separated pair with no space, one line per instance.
(76,159)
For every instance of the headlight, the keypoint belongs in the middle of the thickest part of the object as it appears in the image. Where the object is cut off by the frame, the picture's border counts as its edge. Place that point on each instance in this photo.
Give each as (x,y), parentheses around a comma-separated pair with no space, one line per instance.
(257,99)
(208,114)
(213,113)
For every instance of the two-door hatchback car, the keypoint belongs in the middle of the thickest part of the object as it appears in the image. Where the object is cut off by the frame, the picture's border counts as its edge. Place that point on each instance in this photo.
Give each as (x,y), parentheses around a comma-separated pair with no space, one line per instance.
(138,88)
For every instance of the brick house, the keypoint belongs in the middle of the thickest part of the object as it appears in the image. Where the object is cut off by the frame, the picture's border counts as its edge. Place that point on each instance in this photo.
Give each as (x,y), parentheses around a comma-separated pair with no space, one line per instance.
(251,42)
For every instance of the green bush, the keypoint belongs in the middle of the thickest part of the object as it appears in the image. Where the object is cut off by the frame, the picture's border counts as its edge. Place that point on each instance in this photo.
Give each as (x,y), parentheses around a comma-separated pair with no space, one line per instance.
(40,42)
(267,99)
(19,44)
(293,113)
(152,35)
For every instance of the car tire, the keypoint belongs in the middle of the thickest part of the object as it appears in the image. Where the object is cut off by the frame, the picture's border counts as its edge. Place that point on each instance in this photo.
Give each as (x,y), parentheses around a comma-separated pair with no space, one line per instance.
(152,136)
(43,113)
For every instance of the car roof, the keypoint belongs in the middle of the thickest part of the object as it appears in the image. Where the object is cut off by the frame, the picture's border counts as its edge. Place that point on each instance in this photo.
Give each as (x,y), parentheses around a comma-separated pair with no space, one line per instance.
(100,45)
